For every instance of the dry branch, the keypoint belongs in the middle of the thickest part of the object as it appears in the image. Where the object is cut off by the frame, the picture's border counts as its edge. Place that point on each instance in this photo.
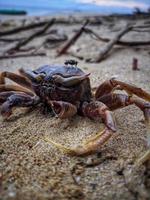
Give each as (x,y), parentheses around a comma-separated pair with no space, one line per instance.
(119,42)
(104,52)
(51,32)
(31,37)
(10,39)
(72,40)
(22,55)
(73,54)
(23,28)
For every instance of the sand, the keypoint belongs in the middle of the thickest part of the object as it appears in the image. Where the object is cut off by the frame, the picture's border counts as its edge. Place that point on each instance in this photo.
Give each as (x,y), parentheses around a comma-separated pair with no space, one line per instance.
(32,169)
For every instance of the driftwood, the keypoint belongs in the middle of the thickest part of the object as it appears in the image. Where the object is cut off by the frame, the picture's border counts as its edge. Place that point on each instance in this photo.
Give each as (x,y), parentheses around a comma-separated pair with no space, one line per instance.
(119,42)
(22,55)
(51,41)
(73,54)
(27,27)
(72,40)
(104,52)
(141,30)
(10,39)
(23,28)
(31,37)
(135,64)
(54,39)
(51,32)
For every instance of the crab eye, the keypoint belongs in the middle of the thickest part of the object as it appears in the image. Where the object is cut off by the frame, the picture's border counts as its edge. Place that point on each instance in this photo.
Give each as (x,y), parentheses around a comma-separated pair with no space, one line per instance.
(39,77)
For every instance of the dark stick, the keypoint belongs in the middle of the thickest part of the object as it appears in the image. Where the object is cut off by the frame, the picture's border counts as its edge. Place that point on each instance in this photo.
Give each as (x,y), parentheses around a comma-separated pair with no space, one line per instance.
(75,55)
(1,180)
(31,37)
(10,39)
(22,55)
(23,28)
(3,39)
(72,40)
(119,42)
(104,52)
(135,64)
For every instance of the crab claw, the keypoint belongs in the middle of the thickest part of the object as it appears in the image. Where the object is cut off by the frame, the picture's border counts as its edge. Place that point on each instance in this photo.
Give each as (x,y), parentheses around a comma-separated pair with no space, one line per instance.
(69,81)
(93,110)
(63,109)
(6,110)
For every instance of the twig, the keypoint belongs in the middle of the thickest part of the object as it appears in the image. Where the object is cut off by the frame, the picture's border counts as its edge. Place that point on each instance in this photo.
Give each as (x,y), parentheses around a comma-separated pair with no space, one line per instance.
(54,39)
(135,64)
(23,28)
(141,26)
(54,31)
(72,40)
(141,30)
(22,55)
(31,37)
(73,54)
(134,28)
(10,39)
(1,180)
(104,52)
(119,42)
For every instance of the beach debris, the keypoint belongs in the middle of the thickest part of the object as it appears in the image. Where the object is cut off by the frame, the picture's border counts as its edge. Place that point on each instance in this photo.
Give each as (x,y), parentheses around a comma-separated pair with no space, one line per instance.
(95,36)
(1,180)
(135,64)
(103,53)
(75,55)
(10,39)
(66,89)
(19,55)
(31,37)
(23,28)
(72,40)
(54,39)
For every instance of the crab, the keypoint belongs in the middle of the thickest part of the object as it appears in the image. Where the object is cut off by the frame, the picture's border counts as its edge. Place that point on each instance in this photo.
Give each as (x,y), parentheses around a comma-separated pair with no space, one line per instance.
(66,90)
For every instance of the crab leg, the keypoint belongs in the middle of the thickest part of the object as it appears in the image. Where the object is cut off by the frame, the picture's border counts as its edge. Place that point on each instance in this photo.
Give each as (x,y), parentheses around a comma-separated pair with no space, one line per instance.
(18,88)
(17,100)
(115,101)
(105,88)
(5,95)
(112,84)
(16,78)
(132,89)
(94,110)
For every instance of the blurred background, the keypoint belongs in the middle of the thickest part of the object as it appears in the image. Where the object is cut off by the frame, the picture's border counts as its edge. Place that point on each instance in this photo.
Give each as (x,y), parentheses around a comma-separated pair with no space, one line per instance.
(44,7)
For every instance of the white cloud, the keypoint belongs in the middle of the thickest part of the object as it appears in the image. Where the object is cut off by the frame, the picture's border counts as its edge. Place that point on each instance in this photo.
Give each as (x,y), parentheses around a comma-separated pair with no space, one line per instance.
(116,3)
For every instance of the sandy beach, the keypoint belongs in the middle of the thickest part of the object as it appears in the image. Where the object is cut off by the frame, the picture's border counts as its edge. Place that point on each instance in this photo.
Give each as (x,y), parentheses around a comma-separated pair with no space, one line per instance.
(32,169)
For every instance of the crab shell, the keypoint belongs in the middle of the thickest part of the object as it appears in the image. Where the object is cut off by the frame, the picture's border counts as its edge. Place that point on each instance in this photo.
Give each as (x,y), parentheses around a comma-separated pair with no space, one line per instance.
(60,83)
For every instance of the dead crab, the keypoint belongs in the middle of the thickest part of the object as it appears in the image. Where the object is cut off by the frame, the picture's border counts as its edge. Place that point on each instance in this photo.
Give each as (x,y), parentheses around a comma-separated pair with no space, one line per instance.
(66,90)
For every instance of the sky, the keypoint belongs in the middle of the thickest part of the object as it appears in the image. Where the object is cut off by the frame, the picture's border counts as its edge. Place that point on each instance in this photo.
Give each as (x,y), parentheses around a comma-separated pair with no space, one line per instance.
(117,3)
(59,6)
